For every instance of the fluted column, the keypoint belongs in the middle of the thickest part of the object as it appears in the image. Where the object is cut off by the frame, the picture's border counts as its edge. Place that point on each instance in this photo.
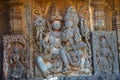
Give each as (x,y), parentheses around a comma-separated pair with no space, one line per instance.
(15,17)
(118,18)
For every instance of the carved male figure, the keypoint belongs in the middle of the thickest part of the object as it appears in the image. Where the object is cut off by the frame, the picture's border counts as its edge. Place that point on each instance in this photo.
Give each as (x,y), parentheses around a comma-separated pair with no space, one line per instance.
(50,60)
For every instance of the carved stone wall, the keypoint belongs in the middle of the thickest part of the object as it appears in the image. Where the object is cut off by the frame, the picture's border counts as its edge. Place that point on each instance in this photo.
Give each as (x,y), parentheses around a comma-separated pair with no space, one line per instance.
(64,40)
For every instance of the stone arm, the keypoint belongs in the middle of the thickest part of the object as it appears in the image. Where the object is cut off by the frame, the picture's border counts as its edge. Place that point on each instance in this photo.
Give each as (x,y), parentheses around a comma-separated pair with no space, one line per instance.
(64,37)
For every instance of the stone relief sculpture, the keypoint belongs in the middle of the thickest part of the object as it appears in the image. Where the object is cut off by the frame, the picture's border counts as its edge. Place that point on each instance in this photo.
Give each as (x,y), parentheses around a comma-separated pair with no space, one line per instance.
(40,26)
(62,47)
(105,54)
(106,57)
(75,48)
(50,61)
(16,68)
(16,57)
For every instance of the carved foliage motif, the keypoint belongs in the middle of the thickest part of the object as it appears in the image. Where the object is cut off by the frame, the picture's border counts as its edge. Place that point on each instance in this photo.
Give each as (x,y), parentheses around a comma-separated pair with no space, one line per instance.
(16,57)
(105,54)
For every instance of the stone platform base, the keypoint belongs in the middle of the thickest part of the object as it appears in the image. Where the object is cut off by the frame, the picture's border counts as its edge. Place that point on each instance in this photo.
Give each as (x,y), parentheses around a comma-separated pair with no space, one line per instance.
(101,77)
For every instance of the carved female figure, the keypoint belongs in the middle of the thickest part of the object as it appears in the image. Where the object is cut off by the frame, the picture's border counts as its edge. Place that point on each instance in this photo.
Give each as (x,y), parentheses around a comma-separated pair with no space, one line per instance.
(71,24)
(16,67)
(75,48)
(105,53)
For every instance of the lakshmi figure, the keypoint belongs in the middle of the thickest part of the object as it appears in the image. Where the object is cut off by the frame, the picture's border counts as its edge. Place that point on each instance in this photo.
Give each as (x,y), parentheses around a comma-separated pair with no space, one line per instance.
(74,47)
(40,26)
(71,24)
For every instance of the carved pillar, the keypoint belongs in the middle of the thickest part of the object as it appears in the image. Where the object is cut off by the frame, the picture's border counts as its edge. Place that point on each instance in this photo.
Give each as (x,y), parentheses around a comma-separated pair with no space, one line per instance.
(117,22)
(118,18)
(15,16)
(99,15)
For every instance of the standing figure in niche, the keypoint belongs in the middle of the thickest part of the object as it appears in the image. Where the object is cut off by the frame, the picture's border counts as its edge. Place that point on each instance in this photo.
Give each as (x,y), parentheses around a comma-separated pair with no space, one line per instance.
(50,59)
(16,67)
(105,55)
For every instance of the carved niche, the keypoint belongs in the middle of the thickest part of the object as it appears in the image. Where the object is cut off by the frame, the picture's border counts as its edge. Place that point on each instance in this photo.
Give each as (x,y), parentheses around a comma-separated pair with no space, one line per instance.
(105,54)
(16,57)
(61,41)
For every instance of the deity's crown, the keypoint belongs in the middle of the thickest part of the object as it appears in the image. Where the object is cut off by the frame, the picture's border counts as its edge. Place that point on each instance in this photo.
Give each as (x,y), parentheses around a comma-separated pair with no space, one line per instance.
(71,15)
(71,11)
(55,15)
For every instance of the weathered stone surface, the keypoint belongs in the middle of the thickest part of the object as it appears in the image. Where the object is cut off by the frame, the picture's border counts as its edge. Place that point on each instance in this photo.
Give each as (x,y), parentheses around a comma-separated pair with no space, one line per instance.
(105,54)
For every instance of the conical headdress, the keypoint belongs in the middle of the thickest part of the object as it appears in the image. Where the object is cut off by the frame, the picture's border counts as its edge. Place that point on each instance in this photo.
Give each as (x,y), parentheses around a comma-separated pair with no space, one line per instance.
(55,15)
(72,15)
